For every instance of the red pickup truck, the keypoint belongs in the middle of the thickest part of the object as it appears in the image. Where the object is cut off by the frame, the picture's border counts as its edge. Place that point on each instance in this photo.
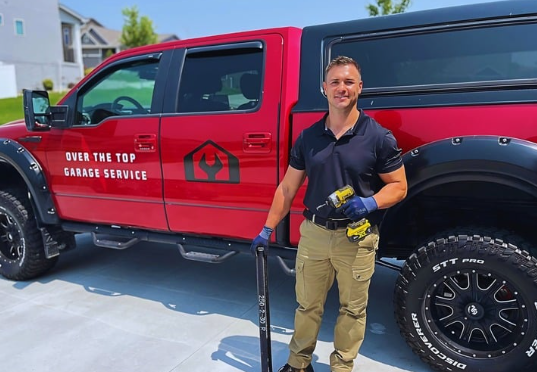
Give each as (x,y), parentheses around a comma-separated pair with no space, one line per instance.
(186,142)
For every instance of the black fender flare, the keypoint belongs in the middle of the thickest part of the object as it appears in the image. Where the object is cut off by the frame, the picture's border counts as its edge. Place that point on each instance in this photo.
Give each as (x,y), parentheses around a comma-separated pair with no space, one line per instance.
(502,160)
(28,167)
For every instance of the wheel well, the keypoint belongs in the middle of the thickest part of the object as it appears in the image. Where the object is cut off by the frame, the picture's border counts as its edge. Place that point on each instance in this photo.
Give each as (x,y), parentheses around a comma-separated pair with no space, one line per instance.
(460,203)
(11,178)
(23,170)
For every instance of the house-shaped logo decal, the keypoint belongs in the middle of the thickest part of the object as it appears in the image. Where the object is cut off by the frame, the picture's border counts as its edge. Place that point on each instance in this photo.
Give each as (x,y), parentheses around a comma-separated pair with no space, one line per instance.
(211,163)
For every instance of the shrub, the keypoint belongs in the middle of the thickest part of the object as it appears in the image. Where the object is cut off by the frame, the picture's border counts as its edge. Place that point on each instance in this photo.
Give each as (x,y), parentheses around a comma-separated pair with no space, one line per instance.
(88,70)
(71,85)
(48,84)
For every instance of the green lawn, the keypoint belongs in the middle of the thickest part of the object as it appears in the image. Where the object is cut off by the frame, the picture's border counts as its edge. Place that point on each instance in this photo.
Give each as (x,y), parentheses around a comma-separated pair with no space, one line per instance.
(11,108)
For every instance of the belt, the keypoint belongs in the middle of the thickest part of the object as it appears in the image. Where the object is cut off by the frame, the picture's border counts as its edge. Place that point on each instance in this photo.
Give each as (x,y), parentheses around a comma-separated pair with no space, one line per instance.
(327,223)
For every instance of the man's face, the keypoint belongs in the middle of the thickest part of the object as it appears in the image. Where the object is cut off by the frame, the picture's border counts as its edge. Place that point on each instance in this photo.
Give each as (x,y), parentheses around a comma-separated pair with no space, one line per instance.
(343,85)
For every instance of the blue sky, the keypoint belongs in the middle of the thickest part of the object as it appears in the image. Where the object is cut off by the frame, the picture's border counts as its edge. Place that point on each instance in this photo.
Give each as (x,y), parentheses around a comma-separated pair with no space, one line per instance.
(193,18)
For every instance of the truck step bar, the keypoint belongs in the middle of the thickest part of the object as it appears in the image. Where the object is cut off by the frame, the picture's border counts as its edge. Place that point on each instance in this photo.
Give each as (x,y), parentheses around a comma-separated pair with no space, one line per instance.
(286,269)
(117,237)
(113,242)
(204,256)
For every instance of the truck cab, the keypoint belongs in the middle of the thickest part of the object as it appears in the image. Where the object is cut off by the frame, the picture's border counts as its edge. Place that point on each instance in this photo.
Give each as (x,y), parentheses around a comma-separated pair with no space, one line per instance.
(171,137)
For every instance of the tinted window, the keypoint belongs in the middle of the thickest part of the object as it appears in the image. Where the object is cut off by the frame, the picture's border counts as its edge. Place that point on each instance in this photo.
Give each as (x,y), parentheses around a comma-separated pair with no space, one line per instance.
(221,81)
(124,91)
(471,55)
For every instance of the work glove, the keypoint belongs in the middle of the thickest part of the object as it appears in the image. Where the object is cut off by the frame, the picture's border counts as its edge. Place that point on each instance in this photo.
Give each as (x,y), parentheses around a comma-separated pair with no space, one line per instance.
(357,207)
(262,240)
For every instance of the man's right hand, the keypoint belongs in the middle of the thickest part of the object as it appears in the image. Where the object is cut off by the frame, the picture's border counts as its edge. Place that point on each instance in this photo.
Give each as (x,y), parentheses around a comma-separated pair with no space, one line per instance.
(358,207)
(262,240)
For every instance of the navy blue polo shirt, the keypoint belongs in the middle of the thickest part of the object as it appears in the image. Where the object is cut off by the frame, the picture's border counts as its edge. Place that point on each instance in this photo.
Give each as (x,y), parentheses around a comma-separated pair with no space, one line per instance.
(356,159)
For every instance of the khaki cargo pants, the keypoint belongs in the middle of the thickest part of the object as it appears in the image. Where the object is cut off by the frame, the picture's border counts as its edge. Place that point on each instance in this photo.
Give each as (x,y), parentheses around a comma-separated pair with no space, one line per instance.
(322,256)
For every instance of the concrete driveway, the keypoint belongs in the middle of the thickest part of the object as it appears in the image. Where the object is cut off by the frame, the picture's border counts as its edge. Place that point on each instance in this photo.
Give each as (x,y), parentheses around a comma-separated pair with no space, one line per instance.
(148,309)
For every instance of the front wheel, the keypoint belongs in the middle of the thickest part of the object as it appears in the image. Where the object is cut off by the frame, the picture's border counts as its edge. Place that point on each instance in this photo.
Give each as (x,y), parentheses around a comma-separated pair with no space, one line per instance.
(22,255)
(469,303)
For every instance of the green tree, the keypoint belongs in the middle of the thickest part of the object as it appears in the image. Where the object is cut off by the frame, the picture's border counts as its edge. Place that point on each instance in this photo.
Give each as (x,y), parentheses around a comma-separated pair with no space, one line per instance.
(384,7)
(137,31)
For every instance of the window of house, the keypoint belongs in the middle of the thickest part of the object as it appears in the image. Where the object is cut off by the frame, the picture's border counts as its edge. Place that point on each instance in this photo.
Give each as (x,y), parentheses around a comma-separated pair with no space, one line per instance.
(66,34)
(127,90)
(19,27)
(68,51)
(477,55)
(87,40)
(221,80)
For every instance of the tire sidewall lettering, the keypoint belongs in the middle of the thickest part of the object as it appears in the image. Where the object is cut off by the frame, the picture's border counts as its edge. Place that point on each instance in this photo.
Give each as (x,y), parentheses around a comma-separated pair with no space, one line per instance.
(429,344)
(443,263)
(454,261)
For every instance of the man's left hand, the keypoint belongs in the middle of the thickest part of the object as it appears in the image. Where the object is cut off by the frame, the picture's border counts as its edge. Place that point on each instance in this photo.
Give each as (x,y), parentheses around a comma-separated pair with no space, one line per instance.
(357,207)
(262,240)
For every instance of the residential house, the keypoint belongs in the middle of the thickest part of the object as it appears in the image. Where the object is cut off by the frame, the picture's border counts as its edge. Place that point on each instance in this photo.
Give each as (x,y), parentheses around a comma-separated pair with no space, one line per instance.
(43,39)
(39,39)
(99,42)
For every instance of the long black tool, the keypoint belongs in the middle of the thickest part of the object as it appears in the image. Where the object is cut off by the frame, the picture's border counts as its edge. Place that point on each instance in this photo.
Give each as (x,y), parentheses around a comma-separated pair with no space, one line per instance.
(264,312)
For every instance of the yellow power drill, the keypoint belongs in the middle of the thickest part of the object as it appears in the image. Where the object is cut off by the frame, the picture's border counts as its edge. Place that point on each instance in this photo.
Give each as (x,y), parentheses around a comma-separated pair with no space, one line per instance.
(355,230)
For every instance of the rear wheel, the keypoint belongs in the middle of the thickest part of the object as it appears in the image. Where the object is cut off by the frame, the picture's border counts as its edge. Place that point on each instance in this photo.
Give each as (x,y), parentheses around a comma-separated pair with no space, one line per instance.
(469,303)
(22,255)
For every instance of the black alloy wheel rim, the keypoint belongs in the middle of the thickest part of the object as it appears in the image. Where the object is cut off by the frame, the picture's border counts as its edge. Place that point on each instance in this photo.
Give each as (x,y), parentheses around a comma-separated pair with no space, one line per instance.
(11,240)
(476,313)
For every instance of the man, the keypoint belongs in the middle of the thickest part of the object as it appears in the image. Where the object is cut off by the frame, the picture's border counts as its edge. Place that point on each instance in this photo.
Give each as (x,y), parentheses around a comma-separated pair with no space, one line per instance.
(346,147)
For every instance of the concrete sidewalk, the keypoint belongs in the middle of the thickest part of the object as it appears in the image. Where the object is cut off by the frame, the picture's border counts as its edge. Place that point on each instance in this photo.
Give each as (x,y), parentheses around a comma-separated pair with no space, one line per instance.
(147,309)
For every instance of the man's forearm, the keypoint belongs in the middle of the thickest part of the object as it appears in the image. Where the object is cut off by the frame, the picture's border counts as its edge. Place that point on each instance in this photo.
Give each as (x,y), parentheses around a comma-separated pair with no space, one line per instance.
(390,195)
(281,205)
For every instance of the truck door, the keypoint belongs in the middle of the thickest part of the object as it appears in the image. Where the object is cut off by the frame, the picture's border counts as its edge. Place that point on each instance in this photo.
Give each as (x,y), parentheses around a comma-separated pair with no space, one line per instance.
(220,145)
(106,167)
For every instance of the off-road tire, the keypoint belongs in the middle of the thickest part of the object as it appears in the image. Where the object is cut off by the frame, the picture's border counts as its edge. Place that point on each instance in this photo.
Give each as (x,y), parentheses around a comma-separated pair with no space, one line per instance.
(22,255)
(469,303)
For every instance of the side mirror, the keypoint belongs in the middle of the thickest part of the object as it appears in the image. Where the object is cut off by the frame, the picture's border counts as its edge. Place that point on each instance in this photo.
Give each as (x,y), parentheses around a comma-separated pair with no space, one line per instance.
(37,113)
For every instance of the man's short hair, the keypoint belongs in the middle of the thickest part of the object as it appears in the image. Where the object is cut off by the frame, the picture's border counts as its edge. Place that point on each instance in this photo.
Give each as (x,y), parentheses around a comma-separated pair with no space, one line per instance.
(342,61)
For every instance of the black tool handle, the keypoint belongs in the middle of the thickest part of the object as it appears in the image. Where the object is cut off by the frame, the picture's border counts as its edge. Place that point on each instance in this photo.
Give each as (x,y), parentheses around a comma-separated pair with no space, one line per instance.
(264,312)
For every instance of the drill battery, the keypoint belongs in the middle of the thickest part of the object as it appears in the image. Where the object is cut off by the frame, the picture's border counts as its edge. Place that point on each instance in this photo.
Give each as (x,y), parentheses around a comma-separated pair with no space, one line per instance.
(358,230)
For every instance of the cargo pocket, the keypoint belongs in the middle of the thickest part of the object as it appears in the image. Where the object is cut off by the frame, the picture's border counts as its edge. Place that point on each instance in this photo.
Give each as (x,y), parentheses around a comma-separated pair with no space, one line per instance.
(358,295)
(363,273)
(364,264)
